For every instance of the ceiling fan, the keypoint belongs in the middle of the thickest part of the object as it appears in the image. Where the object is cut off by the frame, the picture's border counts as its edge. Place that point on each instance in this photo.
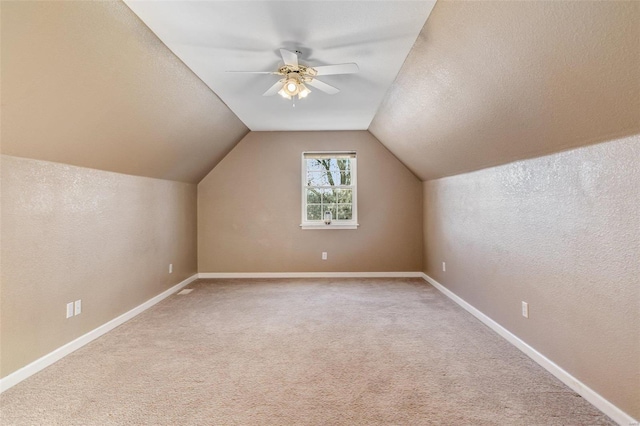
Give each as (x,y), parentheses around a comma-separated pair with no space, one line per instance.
(296,76)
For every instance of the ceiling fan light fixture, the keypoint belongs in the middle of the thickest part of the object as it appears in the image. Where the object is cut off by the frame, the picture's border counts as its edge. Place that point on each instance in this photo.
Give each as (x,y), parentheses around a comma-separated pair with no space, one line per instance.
(291,87)
(283,93)
(303,92)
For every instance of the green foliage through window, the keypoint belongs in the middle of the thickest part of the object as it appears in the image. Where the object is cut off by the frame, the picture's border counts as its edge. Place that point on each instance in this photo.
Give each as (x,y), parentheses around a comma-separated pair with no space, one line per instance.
(329,187)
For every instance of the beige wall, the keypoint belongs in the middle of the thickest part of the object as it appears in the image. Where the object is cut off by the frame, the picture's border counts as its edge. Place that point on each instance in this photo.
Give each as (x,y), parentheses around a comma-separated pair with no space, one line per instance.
(249,209)
(72,233)
(562,233)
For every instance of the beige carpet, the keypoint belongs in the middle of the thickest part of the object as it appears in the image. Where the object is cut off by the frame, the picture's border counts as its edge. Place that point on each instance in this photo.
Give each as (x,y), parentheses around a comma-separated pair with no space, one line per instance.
(299,352)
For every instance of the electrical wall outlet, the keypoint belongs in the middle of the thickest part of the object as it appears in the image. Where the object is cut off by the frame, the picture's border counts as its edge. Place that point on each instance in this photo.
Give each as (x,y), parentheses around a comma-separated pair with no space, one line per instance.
(78,307)
(444,266)
(525,309)
(324,255)
(69,309)
(171,268)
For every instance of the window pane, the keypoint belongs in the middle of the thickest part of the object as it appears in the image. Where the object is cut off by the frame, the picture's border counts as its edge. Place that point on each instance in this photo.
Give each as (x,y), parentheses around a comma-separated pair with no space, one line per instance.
(344,195)
(328,164)
(314,165)
(314,212)
(328,172)
(328,196)
(344,212)
(318,178)
(334,178)
(345,177)
(344,163)
(313,196)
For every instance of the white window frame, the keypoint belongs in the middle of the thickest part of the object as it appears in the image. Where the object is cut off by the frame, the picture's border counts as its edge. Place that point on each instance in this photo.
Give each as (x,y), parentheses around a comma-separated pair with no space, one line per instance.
(335,224)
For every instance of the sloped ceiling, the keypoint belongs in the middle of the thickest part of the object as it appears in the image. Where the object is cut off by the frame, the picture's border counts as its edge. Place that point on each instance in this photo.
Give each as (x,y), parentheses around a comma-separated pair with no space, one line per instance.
(88,84)
(491,82)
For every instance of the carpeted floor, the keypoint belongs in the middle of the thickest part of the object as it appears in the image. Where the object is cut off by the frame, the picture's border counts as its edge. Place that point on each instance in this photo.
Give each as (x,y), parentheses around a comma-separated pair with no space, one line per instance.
(298,352)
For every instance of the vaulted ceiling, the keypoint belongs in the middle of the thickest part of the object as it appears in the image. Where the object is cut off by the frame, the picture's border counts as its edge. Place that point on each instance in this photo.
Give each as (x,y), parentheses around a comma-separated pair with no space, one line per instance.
(491,82)
(89,84)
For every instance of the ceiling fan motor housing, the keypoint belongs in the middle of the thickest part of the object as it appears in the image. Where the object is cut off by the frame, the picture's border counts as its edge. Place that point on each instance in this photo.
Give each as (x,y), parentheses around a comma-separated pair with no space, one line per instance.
(295,77)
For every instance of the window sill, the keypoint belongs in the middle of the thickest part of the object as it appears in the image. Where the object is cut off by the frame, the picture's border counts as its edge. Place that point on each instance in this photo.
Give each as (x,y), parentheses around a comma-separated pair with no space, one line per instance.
(332,226)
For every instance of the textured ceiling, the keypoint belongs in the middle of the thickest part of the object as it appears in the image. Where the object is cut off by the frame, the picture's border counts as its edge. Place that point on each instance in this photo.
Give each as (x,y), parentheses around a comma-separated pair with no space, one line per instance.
(213,37)
(492,82)
(88,84)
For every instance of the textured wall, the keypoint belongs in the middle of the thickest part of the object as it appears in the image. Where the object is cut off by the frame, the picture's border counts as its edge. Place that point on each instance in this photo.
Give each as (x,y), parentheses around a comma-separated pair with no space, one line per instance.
(489,82)
(72,233)
(71,69)
(249,209)
(562,233)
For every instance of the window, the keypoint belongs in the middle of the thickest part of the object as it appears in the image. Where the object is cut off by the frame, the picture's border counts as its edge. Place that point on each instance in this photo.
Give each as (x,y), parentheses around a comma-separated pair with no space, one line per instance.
(329,190)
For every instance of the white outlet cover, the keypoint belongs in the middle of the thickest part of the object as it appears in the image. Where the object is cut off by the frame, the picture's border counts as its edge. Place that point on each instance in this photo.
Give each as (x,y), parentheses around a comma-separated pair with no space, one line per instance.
(444,267)
(525,309)
(69,309)
(171,268)
(78,307)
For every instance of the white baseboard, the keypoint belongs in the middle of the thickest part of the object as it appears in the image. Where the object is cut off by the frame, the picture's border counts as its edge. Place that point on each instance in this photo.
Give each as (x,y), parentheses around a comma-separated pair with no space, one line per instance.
(48,359)
(310,275)
(583,390)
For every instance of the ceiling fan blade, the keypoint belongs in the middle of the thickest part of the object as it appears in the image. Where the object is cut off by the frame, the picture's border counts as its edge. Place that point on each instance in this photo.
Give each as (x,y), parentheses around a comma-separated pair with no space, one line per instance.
(289,58)
(349,68)
(273,89)
(323,86)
